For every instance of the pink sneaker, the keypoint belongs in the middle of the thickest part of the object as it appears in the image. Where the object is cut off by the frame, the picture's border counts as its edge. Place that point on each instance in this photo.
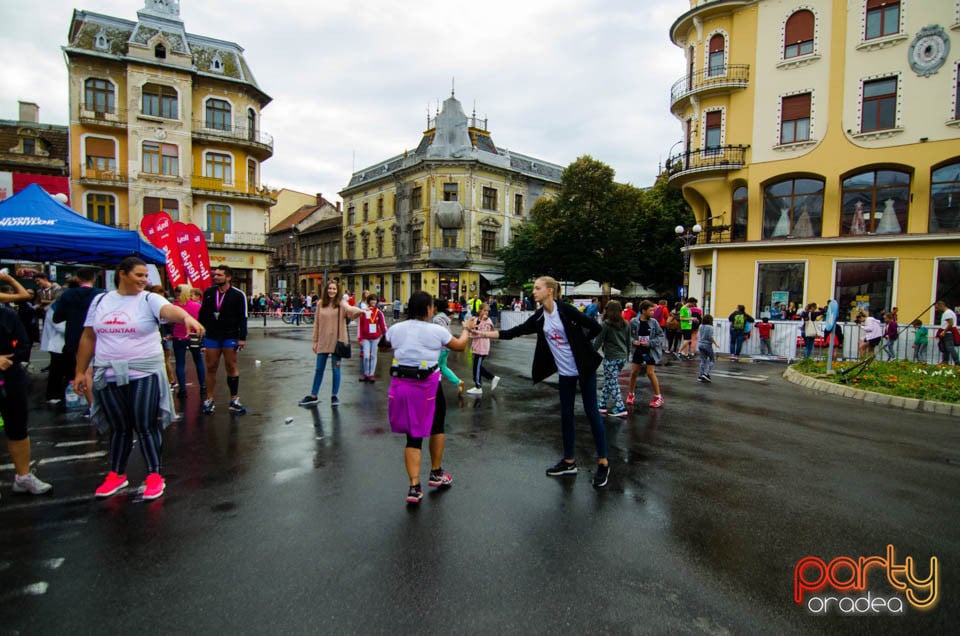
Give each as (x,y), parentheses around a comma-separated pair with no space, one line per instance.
(656,402)
(153,486)
(111,485)
(629,398)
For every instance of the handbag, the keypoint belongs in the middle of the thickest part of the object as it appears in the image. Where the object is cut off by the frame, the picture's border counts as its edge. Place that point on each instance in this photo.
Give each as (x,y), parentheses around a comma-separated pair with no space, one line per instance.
(342,349)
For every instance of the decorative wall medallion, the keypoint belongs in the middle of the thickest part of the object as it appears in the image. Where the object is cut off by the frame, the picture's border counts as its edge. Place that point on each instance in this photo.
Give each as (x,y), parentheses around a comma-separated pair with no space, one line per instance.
(929,50)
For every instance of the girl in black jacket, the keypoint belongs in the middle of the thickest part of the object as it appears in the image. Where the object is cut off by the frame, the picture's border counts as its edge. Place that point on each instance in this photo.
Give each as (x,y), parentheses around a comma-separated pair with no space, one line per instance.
(564,346)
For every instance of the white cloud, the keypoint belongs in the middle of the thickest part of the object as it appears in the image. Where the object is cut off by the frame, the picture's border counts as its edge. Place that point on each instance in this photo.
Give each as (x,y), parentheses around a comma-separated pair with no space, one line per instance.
(351,81)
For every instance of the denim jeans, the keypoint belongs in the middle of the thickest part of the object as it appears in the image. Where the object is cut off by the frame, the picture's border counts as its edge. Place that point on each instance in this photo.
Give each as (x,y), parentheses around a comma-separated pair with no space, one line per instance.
(888,346)
(321,367)
(180,348)
(368,351)
(808,346)
(588,394)
(736,341)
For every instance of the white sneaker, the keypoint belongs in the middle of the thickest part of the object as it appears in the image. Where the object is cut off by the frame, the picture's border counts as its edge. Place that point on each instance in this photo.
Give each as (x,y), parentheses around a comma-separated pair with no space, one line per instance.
(474,391)
(496,381)
(30,483)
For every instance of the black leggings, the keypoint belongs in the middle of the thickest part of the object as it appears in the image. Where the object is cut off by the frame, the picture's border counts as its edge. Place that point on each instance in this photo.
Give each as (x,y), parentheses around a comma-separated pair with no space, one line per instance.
(13,402)
(128,407)
(439,417)
(478,369)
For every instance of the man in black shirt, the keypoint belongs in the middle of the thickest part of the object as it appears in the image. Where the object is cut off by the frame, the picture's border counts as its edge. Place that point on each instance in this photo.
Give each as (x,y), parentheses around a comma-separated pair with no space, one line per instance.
(223,313)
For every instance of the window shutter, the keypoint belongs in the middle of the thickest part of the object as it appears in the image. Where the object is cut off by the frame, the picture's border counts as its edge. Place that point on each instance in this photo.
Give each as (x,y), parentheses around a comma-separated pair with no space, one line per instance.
(795,107)
(716,44)
(97,147)
(799,27)
(713,119)
(169,150)
(876,4)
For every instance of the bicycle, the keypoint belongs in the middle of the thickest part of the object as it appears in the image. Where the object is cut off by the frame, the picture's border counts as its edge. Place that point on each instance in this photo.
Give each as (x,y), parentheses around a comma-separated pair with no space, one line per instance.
(306,317)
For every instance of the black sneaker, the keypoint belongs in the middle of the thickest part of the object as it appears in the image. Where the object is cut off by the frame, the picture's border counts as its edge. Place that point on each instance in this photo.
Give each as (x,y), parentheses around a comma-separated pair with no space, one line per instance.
(701,378)
(236,407)
(707,378)
(562,467)
(602,477)
(308,400)
(414,495)
(334,401)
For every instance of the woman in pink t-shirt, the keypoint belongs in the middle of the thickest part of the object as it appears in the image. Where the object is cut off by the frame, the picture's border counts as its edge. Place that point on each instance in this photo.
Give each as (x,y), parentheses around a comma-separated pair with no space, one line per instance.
(188,298)
(481,349)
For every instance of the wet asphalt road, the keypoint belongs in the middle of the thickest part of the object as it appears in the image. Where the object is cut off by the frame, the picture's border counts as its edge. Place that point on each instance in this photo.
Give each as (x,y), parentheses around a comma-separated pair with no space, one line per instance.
(271,528)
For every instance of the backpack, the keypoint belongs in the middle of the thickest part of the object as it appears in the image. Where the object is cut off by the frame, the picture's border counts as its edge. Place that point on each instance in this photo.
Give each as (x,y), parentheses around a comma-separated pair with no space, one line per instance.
(739,322)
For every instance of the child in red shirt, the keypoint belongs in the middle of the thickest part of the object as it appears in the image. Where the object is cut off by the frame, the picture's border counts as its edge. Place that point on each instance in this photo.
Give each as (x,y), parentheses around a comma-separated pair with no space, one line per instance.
(764,328)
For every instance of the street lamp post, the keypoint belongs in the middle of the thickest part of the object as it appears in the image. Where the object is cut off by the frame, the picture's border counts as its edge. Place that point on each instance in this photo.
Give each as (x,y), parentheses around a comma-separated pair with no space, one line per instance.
(688,237)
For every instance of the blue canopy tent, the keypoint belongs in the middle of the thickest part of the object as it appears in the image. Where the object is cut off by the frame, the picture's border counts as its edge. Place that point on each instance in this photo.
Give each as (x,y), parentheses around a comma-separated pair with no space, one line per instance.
(36,227)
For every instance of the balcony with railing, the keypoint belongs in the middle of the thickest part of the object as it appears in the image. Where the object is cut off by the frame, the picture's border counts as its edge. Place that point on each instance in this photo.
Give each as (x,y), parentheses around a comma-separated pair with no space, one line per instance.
(250,138)
(98,115)
(212,186)
(448,256)
(90,176)
(718,159)
(716,79)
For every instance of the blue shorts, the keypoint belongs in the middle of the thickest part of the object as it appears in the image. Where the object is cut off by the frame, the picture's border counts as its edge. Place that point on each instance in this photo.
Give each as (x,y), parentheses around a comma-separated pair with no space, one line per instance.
(226,343)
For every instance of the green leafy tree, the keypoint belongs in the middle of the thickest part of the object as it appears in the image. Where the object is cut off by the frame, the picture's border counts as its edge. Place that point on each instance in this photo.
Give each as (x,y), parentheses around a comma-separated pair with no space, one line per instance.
(661,253)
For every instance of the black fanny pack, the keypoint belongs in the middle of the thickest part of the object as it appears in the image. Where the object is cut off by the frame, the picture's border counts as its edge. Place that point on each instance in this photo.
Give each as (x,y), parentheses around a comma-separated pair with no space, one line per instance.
(418,373)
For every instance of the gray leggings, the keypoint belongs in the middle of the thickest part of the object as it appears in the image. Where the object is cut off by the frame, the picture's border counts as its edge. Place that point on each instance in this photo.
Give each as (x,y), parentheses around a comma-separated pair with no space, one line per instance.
(133,406)
(707,358)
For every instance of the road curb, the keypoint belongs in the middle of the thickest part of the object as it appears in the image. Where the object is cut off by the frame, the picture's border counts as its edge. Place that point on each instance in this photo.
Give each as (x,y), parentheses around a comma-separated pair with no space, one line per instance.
(911,404)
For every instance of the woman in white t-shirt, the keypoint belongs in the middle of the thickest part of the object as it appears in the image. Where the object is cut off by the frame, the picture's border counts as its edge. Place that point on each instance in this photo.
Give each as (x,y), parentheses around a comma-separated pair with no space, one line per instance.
(416,406)
(129,376)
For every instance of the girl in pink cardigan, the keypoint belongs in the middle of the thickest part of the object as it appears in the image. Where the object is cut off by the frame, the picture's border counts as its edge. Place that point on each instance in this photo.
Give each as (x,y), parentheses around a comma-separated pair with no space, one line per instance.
(481,349)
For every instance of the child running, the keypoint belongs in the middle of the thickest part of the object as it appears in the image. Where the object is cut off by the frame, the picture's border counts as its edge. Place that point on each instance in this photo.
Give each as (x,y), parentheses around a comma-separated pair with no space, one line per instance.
(441,318)
(481,349)
(705,348)
(647,351)
(614,339)
(920,340)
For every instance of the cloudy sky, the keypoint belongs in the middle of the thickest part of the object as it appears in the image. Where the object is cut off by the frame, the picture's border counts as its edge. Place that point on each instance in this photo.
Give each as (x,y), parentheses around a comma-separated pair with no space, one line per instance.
(351,80)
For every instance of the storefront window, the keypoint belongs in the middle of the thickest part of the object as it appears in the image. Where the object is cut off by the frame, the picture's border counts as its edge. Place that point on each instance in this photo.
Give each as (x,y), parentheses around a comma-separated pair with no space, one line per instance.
(864,285)
(779,283)
(945,199)
(948,282)
(449,285)
(875,202)
(793,209)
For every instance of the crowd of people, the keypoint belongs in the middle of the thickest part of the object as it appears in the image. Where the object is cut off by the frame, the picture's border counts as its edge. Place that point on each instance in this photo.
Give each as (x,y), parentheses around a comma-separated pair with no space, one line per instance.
(125,352)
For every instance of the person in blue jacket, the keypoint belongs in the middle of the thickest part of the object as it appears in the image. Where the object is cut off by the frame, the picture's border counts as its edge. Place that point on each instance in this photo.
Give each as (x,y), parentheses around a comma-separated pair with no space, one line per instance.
(565,346)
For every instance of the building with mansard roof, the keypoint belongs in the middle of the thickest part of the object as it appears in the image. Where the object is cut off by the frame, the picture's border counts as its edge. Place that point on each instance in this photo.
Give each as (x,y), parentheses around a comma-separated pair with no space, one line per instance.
(433,218)
(162,119)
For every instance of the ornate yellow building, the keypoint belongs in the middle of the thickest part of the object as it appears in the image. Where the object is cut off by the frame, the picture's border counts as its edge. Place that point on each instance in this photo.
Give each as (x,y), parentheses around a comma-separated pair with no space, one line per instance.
(165,120)
(434,217)
(821,152)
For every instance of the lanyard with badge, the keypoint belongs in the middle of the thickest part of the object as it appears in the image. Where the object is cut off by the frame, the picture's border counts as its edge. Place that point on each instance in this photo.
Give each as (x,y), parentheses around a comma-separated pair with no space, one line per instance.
(219,302)
(373,326)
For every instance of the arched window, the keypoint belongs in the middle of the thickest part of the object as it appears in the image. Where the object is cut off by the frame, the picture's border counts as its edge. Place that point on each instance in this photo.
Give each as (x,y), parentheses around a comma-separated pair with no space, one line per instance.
(875,202)
(793,208)
(219,166)
(251,124)
(738,220)
(798,34)
(219,114)
(159,101)
(251,176)
(945,198)
(102,208)
(715,65)
(99,95)
(160,51)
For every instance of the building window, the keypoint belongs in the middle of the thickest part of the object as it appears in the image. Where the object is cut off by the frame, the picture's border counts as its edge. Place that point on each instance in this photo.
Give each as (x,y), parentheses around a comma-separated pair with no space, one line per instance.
(416,240)
(712,135)
(100,154)
(218,114)
(738,222)
(159,101)
(449,238)
(956,100)
(779,283)
(102,208)
(380,208)
(875,202)
(864,285)
(379,245)
(366,211)
(945,199)
(351,215)
(28,146)
(98,96)
(251,176)
(449,191)
(251,125)
(351,249)
(151,157)
(715,64)
(518,204)
(365,245)
(798,34)
(218,220)
(488,242)
(883,18)
(152,205)
(795,119)
(219,166)
(416,198)
(489,198)
(879,104)
(948,273)
(160,51)
(793,208)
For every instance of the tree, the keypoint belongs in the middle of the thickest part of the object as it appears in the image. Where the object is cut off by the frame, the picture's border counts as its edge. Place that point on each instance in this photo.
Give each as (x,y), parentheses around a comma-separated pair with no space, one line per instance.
(663,208)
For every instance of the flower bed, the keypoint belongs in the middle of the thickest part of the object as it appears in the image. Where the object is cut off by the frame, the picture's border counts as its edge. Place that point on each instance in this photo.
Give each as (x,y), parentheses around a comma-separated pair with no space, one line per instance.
(905,379)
